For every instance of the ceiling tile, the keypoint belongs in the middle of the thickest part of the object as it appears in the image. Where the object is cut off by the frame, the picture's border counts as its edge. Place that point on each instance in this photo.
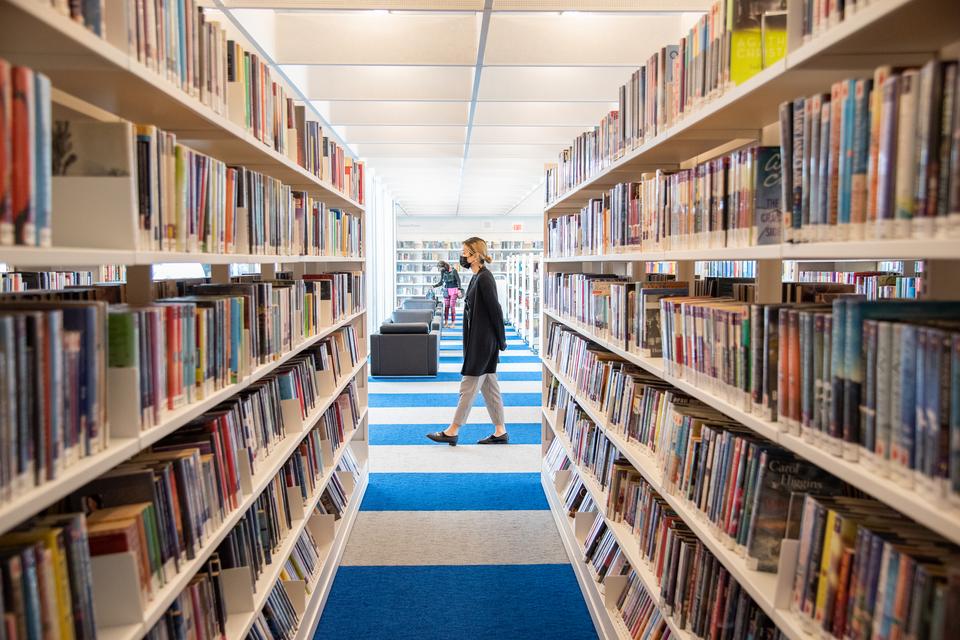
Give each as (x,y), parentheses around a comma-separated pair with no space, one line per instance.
(409,150)
(524,135)
(572,114)
(361,134)
(589,84)
(360,38)
(382,82)
(547,152)
(396,113)
(544,39)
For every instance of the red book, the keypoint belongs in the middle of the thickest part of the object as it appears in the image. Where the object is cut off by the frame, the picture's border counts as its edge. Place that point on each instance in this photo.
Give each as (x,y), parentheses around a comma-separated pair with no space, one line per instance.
(6,151)
(22,137)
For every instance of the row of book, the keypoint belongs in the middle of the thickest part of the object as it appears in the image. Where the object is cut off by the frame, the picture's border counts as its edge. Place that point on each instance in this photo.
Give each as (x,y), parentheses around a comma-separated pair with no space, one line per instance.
(188,201)
(862,572)
(877,157)
(181,44)
(12,281)
(730,43)
(62,349)
(200,610)
(162,506)
(864,379)
(26,141)
(820,16)
(695,590)
(447,245)
(730,201)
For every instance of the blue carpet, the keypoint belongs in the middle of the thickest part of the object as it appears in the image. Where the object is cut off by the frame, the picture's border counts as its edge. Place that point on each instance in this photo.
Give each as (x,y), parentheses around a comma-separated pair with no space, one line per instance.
(453,376)
(454,492)
(477,602)
(459,347)
(520,433)
(447,399)
(459,358)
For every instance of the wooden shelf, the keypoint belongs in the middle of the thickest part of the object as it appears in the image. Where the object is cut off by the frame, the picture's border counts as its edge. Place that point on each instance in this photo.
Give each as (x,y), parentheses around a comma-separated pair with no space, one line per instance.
(67,256)
(90,68)
(883,32)
(934,249)
(121,449)
(269,468)
(761,586)
(935,514)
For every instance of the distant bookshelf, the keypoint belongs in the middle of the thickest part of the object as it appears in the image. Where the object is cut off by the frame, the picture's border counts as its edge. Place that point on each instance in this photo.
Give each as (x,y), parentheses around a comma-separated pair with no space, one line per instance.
(416,263)
(524,290)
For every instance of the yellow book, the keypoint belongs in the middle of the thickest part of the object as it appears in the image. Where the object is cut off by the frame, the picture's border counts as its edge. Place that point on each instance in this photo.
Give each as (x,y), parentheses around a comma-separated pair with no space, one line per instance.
(52,540)
(822,583)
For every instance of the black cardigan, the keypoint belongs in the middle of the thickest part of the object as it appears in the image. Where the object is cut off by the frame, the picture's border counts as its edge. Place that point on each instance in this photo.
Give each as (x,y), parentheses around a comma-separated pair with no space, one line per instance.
(450,279)
(483,331)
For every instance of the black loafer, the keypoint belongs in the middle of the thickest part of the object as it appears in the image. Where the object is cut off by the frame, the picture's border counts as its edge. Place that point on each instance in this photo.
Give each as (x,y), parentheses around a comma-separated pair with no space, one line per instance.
(491,439)
(440,436)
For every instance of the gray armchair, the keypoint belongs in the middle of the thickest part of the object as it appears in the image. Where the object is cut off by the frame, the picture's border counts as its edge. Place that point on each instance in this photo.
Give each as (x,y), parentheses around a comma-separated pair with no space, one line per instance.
(405,345)
(423,304)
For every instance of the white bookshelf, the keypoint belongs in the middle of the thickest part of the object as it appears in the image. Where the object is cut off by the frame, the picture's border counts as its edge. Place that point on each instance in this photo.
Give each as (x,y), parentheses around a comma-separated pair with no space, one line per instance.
(110,83)
(36,35)
(893,32)
(524,290)
(885,31)
(416,275)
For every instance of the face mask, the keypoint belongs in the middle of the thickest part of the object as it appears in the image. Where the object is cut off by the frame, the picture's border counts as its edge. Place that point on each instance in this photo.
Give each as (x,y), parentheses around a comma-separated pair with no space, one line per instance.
(464,262)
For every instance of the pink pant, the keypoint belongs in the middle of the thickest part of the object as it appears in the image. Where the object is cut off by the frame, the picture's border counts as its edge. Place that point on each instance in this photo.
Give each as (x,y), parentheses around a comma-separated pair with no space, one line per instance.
(450,305)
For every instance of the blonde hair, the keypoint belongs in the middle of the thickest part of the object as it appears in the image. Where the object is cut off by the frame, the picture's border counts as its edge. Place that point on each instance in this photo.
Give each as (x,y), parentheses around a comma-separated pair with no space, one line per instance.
(478,246)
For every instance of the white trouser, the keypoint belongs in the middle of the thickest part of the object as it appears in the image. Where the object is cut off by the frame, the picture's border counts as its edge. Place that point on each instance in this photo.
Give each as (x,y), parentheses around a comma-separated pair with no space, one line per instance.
(487,385)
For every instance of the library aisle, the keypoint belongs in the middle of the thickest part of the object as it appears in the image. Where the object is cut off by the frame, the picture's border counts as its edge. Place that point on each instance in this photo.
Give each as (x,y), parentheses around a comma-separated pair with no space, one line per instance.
(455,541)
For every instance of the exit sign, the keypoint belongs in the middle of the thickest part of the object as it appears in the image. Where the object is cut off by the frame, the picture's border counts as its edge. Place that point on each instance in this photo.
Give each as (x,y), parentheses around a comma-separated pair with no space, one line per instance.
(518,226)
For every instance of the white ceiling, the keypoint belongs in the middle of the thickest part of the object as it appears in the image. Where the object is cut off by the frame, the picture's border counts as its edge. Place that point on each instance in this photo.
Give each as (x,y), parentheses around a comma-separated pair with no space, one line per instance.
(457,105)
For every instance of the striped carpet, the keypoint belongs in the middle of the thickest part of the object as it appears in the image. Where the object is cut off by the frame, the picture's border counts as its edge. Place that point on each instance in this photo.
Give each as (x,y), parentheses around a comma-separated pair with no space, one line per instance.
(455,542)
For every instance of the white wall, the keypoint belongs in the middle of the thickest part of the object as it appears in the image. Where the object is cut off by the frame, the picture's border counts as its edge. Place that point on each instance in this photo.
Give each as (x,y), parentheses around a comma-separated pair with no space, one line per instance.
(380,245)
(462,227)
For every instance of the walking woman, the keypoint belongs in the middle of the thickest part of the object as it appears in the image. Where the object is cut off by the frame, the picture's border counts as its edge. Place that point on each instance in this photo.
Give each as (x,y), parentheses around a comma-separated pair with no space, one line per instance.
(450,281)
(483,338)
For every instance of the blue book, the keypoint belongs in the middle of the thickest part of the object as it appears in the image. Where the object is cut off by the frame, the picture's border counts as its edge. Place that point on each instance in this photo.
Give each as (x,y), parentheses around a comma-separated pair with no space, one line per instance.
(285,383)
(42,151)
(236,335)
(837,369)
(931,402)
(889,594)
(845,174)
(860,151)
(954,463)
(919,407)
(31,594)
(908,389)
